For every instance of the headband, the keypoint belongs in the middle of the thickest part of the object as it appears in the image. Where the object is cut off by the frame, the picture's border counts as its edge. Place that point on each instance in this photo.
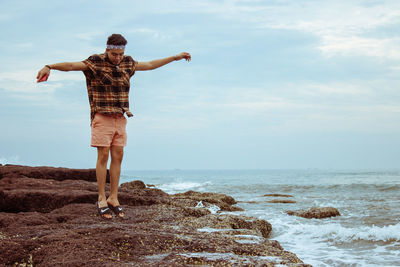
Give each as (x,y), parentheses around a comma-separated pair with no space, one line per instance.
(115,47)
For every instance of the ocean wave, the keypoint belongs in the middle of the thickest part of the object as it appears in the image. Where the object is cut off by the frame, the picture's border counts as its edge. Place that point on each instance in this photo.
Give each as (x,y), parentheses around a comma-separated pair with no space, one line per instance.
(389,188)
(387,233)
(329,186)
(177,187)
(331,244)
(336,233)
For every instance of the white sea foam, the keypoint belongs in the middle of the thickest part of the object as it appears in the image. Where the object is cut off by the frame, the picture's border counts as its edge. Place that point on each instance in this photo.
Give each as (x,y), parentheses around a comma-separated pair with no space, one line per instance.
(156,257)
(178,187)
(337,233)
(234,258)
(213,209)
(369,233)
(212,230)
(303,236)
(325,242)
(200,204)
(248,239)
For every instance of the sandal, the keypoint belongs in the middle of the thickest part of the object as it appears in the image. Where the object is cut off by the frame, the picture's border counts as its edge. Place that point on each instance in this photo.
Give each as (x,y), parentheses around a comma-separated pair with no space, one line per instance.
(103,211)
(118,211)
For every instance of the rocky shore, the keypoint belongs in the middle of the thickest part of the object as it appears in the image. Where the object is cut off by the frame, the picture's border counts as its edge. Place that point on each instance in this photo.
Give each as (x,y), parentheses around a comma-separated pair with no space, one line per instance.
(48,218)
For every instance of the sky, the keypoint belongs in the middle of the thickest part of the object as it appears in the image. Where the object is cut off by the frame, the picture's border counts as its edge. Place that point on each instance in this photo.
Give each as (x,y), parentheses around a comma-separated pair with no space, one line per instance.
(273,84)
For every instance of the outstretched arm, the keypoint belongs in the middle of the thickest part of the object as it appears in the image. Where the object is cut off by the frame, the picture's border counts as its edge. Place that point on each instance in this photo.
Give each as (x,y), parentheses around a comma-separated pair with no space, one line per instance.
(154,64)
(64,66)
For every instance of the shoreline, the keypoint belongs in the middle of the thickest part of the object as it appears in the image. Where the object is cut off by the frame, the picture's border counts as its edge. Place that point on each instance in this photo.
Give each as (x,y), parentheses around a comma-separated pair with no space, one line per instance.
(48,217)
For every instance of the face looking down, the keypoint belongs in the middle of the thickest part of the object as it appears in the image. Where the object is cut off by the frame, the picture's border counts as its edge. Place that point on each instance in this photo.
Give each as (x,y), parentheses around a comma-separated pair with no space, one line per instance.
(115,55)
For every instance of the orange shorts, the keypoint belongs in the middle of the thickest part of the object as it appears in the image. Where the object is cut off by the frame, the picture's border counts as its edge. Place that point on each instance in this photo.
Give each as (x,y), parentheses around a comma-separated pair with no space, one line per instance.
(109,130)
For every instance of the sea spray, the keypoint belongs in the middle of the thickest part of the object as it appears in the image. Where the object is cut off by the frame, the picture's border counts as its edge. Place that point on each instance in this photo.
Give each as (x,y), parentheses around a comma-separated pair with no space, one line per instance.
(179,187)
(212,208)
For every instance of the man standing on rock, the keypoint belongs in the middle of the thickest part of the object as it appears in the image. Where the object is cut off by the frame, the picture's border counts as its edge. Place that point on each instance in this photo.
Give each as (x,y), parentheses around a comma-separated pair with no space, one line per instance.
(107,79)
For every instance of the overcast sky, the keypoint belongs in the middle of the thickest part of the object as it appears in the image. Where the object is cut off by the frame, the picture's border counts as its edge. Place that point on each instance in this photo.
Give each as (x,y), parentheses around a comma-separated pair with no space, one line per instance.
(272,84)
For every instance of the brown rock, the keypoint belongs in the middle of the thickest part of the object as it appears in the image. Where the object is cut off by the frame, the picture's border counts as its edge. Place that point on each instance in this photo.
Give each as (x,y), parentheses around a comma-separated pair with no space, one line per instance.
(134,185)
(45,195)
(223,201)
(276,195)
(257,227)
(209,197)
(196,212)
(315,212)
(284,201)
(157,235)
(59,174)
(55,223)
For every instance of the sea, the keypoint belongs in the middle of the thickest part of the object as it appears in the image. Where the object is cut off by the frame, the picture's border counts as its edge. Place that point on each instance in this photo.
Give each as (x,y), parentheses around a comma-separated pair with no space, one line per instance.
(366,234)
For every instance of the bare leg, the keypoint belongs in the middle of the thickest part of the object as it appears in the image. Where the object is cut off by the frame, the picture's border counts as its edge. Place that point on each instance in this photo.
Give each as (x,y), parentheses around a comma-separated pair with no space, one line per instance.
(101,174)
(117,153)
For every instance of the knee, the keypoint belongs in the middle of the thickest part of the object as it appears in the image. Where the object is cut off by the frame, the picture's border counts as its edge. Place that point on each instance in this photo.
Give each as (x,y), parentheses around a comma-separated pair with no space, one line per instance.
(102,157)
(117,155)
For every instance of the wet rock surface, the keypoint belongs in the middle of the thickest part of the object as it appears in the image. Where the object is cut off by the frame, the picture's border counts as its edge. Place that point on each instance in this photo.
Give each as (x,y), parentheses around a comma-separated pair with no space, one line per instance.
(315,212)
(192,198)
(283,201)
(48,218)
(277,195)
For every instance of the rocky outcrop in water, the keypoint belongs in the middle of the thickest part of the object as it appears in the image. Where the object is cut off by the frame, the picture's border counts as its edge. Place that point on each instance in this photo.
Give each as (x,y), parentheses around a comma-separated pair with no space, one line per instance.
(282,201)
(281,198)
(48,218)
(315,212)
(277,195)
(192,198)
(58,174)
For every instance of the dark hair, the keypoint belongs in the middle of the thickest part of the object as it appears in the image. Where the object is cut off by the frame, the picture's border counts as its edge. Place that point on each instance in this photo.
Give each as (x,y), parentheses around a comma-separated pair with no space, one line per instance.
(116,39)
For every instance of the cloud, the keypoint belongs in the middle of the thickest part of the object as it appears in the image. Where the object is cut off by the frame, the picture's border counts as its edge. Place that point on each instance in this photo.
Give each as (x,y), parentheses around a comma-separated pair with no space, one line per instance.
(17,76)
(276,97)
(155,34)
(22,84)
(340,89)
(89,36)
(159,122)
(356,46)
(343,27)
(264,105)
(358,106)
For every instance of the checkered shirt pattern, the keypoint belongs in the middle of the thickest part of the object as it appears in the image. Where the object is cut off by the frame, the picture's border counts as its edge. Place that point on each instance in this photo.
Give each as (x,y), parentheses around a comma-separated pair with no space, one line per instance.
(108,84)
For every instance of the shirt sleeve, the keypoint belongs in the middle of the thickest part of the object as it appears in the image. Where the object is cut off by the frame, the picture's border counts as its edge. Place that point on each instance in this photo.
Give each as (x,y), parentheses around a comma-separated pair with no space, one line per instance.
(90,62)
(134,67)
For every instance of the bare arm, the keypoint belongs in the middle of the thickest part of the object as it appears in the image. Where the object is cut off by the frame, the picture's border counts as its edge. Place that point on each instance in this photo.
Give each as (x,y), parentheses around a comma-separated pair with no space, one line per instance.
(154,64)
(64,66)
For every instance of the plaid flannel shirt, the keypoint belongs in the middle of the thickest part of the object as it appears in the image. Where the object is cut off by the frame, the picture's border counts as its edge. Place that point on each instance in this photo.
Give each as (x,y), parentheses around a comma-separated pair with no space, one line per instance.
(108,84)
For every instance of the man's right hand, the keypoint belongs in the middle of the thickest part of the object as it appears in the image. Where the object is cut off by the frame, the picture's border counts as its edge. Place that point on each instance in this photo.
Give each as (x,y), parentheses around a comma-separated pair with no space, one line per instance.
(45,71)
